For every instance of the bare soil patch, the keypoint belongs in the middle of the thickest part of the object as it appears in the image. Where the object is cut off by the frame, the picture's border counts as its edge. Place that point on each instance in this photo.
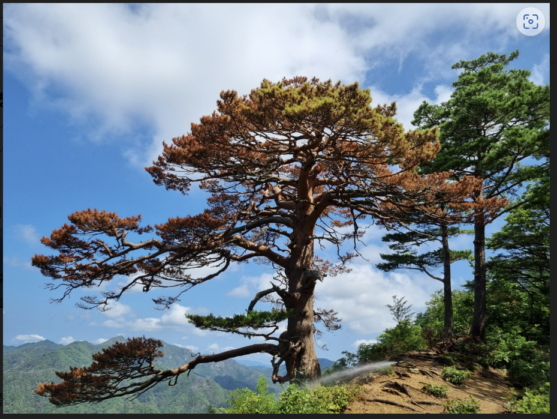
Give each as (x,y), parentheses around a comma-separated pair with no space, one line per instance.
(401,391)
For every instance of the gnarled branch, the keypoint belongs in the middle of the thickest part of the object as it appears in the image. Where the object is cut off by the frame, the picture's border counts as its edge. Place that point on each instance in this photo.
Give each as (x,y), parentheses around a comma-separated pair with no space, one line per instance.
(109,376)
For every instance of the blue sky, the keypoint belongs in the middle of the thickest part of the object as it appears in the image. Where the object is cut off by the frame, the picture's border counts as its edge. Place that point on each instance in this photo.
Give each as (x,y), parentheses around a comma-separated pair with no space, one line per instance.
(92,90)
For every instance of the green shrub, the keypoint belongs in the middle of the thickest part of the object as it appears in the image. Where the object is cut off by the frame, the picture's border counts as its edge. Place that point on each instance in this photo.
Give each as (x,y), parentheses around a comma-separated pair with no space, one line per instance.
(454,406)
(333,399)
(245,401)
(437,391)
(532,401)
(294,399)
(508,346)
(455,376)
(530,373)
(404,337)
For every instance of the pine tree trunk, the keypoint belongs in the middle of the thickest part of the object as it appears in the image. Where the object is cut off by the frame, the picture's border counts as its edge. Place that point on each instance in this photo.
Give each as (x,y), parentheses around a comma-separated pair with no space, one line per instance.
(480,305)
(301,286)
(300,330)
(448,329)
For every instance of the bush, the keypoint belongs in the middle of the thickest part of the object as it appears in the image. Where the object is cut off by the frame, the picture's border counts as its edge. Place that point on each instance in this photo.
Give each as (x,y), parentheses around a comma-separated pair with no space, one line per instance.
(532,401)
(455,376)
(437,391)
(404,337)
(505,347)
(529,373)
(333,399)
(245,401)
(454,406)
(526,362)
(294,399)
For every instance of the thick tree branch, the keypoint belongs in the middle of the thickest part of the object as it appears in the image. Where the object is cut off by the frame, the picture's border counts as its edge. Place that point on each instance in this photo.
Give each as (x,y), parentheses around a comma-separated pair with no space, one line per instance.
(108,378)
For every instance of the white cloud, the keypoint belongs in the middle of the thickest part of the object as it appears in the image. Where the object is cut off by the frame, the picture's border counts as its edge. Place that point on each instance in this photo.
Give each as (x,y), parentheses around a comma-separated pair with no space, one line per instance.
(408,103)
(250,285)
(241,291)
(117,310)
(16,261)
(99,341)
(192,348)
(364,342)
(164,63)
(360,296)
(174,318)
(112,65)
(540,72)
(216,348)
(28,338)
(66,340)
(27,233)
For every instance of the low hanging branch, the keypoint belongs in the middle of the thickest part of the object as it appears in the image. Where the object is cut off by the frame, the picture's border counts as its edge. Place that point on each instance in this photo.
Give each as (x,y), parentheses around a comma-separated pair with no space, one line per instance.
(109,376)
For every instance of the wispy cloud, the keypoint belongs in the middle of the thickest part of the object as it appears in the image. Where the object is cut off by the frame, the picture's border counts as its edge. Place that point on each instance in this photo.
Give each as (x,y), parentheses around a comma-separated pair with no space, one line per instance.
(249,285)
(216,348)
(27,233)
(18,262)
(364,342)
(117,310)
(174,318)
(28,338)
(67,340)
(540,72)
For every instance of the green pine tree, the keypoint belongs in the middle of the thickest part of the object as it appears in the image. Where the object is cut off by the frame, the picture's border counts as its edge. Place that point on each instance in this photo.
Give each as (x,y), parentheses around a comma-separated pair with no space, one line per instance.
(495,119)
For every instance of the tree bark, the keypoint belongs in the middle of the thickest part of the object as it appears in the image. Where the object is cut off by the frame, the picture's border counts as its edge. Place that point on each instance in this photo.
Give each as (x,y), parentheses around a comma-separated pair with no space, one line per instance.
(448,328)
(480,306)
(303,363)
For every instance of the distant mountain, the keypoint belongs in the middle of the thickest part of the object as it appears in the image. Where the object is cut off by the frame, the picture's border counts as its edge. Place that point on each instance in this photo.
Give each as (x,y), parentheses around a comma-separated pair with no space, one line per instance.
(25,366)
(43,345)
(252,364)
(267,370)
(325,363)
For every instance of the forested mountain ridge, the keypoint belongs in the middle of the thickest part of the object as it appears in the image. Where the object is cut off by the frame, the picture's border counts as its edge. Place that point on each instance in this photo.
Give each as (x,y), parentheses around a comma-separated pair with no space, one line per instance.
(25,366)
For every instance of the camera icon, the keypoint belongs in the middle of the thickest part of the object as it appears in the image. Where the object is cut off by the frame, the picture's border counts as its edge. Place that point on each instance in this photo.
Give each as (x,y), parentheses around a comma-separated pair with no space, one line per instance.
(530,21)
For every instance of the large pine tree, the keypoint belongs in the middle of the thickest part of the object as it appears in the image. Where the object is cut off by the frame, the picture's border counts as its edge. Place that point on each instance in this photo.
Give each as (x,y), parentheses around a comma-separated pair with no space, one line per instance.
(288,165)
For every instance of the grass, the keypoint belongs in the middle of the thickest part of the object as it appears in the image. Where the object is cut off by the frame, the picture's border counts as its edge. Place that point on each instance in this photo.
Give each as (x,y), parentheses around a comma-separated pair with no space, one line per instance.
(437,391)
(467,406)
(454,375)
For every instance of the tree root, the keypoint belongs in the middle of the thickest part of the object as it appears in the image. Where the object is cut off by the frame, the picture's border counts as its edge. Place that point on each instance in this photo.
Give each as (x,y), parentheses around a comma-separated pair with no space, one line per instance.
(401,375)
(428,402)
(416,404)
(399,387)
(392,391)
(424,372)
(375,399)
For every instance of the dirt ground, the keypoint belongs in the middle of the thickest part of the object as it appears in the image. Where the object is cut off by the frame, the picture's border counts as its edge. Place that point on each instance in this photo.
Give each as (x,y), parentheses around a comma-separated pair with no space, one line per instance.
(404,387)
